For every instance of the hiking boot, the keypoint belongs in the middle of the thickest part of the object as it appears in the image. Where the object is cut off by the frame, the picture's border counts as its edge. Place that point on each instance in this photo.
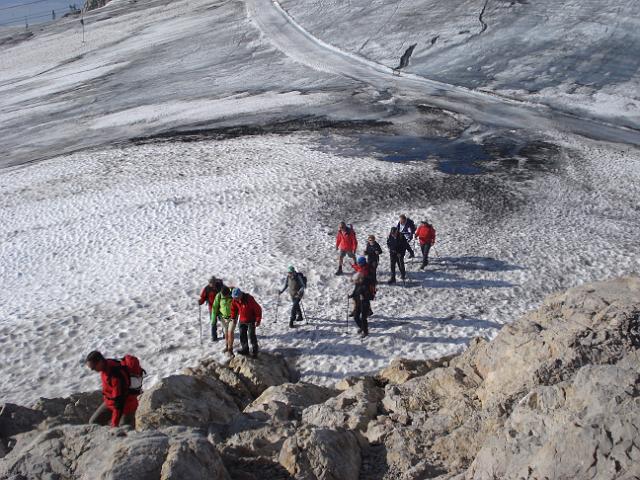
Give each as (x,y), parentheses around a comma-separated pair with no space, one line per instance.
(230,354)
(392,281)
(412,255)
(352,314)
(364,334)
(243,352)
(359,331)
(292,325)
(254,354)
(225,349)
(370,312)
(339,271)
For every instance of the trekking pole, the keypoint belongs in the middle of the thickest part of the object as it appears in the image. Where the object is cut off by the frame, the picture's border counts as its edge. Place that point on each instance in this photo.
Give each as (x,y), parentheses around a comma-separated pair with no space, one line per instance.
(200,322)
(306,319)
(347,316)
(277,305)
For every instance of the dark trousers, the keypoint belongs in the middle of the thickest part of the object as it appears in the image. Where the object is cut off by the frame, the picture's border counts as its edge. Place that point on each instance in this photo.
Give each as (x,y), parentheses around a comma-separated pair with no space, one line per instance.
(397,259)
(362,313)
(296,311)
(102,416)
(425,253)
(409,249)
(214,330)
(250,329)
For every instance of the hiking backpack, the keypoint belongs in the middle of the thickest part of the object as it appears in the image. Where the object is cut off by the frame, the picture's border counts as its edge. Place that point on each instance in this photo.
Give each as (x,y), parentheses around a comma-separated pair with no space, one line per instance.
(135,372)
(303,279)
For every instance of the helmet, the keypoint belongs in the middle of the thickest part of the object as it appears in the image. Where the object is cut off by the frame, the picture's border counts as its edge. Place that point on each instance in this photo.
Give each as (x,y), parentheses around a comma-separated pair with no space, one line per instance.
(362,261)
(236,293)
(291,269)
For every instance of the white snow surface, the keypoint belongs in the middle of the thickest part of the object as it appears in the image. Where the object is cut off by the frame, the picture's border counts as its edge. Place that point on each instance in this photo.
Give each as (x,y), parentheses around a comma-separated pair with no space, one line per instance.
(109,249)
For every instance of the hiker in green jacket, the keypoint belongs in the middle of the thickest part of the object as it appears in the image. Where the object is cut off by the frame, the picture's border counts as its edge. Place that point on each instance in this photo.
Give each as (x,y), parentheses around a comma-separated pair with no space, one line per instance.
(222,310)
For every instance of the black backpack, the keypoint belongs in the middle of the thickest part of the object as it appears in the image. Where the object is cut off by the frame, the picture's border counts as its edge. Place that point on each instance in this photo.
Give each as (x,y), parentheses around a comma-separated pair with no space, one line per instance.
(303,279)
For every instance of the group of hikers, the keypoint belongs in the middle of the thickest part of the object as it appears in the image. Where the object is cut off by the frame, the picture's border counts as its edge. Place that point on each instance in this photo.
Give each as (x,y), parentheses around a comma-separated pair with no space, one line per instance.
(365,280)
(228,307)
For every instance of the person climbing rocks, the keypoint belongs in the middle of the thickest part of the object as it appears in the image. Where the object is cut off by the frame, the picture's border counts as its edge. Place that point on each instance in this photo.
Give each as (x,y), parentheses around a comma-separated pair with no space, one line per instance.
(426,234)
(398,246)
(222,311)
(361,297)
(208,295)
(346,244)
(407,228)
(295,282)
(119,404)
(373,251)
(248,312)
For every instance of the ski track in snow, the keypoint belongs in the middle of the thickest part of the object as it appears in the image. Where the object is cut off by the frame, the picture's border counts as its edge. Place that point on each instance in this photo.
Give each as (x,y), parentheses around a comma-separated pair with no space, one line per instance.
(490,109)
(109,249)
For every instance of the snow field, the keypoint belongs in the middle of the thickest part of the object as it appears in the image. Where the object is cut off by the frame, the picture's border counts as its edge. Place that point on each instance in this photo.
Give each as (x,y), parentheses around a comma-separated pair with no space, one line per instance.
(109,249)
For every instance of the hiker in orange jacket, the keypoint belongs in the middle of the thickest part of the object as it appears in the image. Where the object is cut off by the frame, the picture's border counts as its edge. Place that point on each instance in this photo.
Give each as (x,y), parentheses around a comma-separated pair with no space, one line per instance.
(427,237)
(346,244)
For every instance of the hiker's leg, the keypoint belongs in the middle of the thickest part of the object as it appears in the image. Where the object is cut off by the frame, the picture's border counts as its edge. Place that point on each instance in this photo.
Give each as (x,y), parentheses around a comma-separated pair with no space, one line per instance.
(253,337)
(128,419)
(244,341)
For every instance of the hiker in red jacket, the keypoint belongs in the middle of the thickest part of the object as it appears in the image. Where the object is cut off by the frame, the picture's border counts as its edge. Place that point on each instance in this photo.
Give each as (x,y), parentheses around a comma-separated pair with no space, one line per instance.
(245,308)
(346,244)
(427,236)
(209,292)
(119,406)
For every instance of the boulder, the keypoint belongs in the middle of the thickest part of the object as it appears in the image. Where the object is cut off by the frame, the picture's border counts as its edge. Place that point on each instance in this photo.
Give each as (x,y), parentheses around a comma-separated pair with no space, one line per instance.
(186,400)
(583,428)
(352,409)
(287,401)
(236,386)
(15,419)
(267,370)
(248,437)
(591,324)
(90,452)
(320,453)
(75,409)
(400,370)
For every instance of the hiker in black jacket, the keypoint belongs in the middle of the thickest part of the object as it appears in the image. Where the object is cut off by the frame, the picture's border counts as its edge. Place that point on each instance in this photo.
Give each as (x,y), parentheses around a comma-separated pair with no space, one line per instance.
(373,252)
(407,228)
(398,246)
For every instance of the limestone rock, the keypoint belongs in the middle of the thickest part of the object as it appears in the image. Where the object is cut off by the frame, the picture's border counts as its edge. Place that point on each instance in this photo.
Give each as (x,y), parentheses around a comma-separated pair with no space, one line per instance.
(319,453)
(15,419)
(352,409)
(287,401)
(75,409)
(185,400)
(592,324)
(401,370)
(248,437)
(90,452)
(236,386)
(267,370)
(583,428)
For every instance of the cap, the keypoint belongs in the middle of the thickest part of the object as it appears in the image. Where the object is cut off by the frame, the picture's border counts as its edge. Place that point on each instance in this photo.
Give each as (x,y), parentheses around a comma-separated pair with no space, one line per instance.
(236,293)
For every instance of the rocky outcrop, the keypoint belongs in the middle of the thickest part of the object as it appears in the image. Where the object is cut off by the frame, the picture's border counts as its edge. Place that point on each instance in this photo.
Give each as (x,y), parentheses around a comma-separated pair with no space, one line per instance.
(401,370)
(75,409)
(555,395)
(318,453)
(246,378)
(287,401)
(186,400)
(92,452)
(353,409)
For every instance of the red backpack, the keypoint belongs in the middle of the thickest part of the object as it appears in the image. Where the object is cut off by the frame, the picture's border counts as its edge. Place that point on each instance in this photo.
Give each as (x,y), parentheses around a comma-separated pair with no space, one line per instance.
(135,373)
